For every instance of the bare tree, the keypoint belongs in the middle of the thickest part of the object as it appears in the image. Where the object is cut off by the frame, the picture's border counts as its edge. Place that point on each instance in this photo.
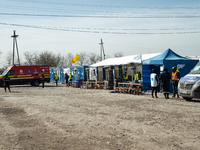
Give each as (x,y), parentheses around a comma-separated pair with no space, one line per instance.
(83,59)
(35,58)
(9,58)
(69,57)
(118,54)
(62,60)
(31,58)
(93,58)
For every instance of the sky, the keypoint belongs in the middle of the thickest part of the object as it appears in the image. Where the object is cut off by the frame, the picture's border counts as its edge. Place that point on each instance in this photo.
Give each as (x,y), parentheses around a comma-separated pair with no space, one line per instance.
(73,26)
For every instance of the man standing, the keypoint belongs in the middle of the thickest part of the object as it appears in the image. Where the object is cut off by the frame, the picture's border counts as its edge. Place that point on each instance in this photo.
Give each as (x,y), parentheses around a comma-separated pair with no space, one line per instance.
(67,79)
(174,80)
(56,79)
(154,82)
(70,77)
(6,82)
(136,77)
(165,79)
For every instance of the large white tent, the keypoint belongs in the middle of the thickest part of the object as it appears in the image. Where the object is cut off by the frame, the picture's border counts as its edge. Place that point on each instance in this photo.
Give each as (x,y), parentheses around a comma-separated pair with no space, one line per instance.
(124,60)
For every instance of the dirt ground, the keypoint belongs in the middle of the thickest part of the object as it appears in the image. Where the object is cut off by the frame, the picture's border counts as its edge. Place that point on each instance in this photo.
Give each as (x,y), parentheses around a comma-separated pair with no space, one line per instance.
(61,118)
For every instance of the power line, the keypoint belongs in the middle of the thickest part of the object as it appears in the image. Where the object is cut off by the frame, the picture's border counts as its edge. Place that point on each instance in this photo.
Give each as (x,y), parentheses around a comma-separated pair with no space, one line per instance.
(96,31)
(105,6)
(106,16)
(56,10)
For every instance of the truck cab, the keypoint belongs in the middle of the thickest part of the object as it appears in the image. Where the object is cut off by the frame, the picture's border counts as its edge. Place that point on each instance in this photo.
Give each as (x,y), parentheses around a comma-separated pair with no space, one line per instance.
(189,85)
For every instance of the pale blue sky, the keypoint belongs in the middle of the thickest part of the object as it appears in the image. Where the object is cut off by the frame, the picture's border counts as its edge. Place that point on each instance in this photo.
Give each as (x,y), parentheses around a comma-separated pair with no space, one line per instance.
(129,26)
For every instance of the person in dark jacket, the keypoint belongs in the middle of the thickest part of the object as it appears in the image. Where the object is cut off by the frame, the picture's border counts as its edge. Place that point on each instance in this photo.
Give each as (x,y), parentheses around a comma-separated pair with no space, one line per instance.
(67,79)
(6,82)
(165,79)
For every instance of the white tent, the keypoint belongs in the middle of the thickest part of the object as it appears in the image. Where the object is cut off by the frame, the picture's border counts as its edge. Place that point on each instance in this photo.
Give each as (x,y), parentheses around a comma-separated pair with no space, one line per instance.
(124,60)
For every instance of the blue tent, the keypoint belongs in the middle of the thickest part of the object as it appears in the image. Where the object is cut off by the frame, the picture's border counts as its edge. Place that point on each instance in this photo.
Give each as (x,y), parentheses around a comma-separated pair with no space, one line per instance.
(167,59)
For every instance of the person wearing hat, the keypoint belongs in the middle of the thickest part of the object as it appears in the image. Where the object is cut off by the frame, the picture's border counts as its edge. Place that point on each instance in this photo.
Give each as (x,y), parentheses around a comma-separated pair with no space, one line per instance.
(175,78)
(165,78)
(154,82)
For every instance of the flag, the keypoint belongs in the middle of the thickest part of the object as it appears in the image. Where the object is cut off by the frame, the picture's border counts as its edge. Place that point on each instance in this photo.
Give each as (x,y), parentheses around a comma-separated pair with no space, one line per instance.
(138,57)
(75,59)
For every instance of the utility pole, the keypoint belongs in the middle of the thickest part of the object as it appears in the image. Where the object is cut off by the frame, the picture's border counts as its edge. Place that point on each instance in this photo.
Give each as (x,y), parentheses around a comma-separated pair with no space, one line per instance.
(102,50)
(14,36)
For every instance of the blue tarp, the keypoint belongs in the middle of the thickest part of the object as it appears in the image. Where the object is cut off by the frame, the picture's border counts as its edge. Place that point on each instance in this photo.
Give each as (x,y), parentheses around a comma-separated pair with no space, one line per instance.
(166,59)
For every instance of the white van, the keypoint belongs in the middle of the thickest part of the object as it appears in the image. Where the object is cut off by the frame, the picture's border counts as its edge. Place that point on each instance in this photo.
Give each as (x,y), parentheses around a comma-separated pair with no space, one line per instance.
(189,85)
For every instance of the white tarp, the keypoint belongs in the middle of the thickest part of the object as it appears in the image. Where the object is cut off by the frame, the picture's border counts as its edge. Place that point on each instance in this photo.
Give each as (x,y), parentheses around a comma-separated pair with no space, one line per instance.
(124,60)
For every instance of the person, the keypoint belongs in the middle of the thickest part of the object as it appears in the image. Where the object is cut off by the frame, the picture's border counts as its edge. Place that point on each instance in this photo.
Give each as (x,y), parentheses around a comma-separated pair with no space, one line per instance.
(165,78)
(6,82)
(70,77)
(67,79)
(136,77)
(154,82)
(42,80)
(175,78)
(56,79)
(125,78)
(139,76)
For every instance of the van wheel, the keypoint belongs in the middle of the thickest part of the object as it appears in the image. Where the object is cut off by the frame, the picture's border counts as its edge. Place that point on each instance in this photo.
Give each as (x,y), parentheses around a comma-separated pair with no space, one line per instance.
(35,83)
(187,98)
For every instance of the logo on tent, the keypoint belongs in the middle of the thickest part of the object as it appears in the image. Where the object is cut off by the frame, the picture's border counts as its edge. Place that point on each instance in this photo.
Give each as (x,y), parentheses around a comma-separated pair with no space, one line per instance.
(147,62)
(180,66)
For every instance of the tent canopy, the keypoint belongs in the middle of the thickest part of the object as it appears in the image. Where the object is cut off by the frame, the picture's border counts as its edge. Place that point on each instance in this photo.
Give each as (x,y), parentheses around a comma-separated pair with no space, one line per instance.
(167,59)
(168,56)
(124,60)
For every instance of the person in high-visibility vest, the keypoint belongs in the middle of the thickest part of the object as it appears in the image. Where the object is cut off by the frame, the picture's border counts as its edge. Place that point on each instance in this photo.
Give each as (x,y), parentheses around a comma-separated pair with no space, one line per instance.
(70,76)
(56,79)
(174,80)
(125,77)
(136,77)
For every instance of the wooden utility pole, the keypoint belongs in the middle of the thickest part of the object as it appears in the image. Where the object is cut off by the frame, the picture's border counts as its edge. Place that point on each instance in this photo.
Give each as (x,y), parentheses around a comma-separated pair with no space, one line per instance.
(14,36)
(102,50)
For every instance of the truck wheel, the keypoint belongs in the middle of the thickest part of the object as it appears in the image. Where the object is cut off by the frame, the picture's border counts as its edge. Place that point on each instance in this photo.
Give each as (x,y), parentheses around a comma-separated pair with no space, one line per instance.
(187,98)
(35,83)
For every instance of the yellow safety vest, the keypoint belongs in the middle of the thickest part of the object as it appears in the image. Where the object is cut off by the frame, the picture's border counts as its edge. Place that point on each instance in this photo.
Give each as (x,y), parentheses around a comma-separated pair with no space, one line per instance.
(136,76)
(56,77)
(70,76)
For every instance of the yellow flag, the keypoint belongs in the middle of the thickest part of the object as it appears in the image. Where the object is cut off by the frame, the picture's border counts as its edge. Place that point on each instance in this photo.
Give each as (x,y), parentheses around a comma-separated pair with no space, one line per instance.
(75,59)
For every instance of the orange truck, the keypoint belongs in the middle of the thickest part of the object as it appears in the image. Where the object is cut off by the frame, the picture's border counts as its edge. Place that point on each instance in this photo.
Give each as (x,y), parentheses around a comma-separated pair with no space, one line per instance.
(26,74)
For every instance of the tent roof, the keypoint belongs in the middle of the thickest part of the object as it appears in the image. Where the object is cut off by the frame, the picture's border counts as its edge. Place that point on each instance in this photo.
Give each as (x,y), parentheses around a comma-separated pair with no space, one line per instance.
(167,55)
(124,60)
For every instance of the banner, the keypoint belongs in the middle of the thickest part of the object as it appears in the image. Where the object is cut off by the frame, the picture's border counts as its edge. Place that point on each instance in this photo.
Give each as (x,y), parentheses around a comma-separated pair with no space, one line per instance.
(75,59)
(66,70)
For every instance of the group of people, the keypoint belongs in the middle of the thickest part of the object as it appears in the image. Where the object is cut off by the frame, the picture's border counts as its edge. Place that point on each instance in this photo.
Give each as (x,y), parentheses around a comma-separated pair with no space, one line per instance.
(67,79)
(165,79)
(137,77)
